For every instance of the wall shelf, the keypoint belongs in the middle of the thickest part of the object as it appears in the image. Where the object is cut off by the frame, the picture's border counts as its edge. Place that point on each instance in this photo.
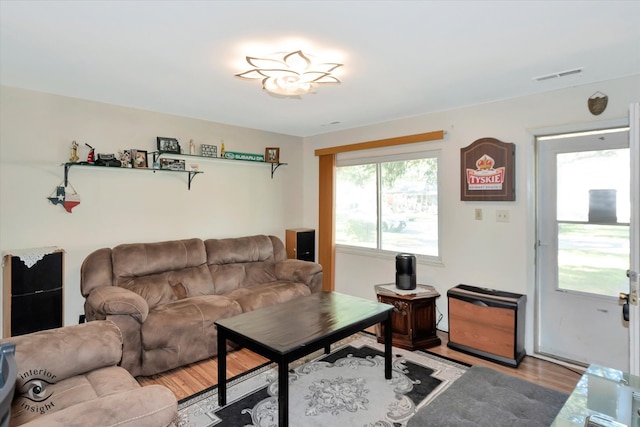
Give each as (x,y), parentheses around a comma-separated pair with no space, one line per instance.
(69,165)
(158,154)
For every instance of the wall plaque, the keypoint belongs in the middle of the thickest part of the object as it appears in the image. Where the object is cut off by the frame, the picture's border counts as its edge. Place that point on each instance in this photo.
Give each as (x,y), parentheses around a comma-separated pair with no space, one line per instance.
(487,171)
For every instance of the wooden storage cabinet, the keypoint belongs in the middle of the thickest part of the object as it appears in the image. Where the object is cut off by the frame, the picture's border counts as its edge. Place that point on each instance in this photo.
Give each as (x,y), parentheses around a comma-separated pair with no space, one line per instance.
(487,323)
(33,291)
(413,318)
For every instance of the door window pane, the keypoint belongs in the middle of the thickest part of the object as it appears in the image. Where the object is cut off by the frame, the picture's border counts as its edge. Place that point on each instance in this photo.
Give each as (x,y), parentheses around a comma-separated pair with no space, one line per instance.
(588,177)
(593,258)
(593,211)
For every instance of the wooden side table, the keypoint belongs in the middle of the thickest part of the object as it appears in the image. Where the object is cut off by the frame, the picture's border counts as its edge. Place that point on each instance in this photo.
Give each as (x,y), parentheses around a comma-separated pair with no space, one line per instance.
(413,318)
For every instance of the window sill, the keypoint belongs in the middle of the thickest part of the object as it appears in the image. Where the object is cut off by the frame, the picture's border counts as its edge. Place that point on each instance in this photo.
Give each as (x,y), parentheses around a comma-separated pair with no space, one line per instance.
(388,255)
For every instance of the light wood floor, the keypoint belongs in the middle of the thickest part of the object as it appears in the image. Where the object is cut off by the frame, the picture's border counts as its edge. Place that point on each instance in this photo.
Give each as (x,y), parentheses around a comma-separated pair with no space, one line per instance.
(190,379)
(532,369)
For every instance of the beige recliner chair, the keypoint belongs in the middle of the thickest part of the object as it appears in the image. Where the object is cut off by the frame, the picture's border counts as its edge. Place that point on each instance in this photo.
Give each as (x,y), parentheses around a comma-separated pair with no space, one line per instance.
(69,377)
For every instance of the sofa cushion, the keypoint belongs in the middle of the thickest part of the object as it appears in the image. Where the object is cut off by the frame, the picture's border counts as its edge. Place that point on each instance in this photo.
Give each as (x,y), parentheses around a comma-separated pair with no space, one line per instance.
(227,277)
(183,331)
(254,297)
(162,272)
(42,397)
(239,250)
(143,259)
(163,288)
(153,405)
(71,351)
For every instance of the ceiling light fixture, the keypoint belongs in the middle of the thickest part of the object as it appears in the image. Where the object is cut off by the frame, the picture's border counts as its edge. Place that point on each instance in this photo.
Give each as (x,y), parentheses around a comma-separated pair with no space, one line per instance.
(293,75)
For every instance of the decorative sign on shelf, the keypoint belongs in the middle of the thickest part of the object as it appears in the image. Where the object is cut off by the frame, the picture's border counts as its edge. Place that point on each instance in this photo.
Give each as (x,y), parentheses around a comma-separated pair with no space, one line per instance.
(209,150)
(234,155)
(487,171)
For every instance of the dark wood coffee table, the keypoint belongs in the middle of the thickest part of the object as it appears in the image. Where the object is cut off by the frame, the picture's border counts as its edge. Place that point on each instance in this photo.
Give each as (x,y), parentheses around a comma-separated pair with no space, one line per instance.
(285,332)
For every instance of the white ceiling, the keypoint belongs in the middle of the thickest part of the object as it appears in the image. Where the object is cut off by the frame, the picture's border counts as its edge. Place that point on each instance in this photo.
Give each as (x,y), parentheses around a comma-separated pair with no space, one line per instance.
(401,58)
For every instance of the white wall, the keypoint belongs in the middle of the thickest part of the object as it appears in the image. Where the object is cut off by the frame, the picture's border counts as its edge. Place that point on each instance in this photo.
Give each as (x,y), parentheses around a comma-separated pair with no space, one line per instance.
(480,253)
(117,206)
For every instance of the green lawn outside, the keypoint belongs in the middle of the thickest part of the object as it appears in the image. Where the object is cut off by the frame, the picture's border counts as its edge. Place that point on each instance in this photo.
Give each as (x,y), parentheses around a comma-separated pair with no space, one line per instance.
(593,258)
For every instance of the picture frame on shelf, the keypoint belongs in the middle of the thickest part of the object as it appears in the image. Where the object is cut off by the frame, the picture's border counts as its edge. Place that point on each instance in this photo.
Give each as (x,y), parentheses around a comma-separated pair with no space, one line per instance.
(172,164)
(139,159)
(272,155)
(168,145)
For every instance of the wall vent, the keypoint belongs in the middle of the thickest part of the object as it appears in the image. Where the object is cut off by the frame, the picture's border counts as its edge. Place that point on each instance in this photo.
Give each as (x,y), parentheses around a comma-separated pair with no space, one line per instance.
(566,73)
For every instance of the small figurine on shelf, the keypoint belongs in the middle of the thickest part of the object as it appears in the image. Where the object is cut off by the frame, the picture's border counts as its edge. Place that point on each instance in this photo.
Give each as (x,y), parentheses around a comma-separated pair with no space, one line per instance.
(222,148)
(192,147)
(92,153)
(74,152)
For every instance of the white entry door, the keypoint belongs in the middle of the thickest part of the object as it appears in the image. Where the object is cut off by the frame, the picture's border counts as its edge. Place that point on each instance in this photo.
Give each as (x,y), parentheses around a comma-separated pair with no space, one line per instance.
(584,210)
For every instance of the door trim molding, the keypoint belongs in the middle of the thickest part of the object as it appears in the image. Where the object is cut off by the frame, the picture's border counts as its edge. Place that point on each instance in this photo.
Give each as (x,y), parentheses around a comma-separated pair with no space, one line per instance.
(634,231)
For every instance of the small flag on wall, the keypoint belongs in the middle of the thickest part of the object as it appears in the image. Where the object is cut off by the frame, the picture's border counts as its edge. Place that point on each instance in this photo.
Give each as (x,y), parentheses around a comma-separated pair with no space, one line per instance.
(65,196)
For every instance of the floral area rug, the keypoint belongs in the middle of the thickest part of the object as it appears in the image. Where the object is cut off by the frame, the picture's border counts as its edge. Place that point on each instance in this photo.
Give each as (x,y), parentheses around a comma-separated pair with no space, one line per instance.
(344,388)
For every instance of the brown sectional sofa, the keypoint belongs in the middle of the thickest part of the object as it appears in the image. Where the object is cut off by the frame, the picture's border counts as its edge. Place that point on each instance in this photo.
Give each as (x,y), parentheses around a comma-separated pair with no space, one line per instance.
(166,296)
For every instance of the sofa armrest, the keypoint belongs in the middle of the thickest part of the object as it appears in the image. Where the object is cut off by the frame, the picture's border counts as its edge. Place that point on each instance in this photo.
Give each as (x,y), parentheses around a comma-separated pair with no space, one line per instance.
(61,353)
(295,270)
(153,405)
(112,300)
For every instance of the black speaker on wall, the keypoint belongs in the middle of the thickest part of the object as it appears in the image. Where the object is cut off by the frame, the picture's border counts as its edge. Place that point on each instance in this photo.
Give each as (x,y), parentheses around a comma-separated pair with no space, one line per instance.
(33,294)
(405,271)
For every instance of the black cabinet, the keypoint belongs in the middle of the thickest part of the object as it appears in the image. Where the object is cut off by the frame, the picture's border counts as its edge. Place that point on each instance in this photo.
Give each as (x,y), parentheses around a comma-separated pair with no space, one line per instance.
(33,292)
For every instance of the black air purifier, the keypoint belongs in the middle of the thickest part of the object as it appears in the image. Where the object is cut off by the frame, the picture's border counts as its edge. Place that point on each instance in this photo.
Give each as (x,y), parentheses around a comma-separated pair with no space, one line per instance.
(405,271)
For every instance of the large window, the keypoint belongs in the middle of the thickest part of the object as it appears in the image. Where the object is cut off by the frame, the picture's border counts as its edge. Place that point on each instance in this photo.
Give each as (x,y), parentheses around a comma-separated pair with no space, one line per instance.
(388,203)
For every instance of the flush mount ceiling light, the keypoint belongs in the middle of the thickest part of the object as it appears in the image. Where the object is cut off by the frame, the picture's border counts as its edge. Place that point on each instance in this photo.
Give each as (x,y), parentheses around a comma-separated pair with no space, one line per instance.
(293,75)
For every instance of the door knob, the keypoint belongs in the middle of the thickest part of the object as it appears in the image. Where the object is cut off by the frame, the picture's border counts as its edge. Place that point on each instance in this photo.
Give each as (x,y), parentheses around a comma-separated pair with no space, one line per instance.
(624,298)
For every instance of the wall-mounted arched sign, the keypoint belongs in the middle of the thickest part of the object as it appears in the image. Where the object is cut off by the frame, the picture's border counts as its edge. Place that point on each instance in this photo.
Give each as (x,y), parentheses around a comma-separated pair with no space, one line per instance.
(487,171)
